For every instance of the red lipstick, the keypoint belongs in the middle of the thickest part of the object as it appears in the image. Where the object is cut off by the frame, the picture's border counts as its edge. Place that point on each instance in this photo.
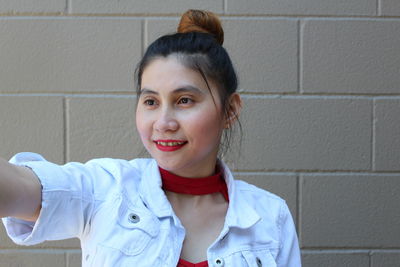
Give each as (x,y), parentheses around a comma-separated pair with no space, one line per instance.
(169,145)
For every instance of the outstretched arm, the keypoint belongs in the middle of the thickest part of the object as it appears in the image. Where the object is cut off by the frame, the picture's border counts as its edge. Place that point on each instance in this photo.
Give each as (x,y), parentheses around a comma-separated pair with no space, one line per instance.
(20,192)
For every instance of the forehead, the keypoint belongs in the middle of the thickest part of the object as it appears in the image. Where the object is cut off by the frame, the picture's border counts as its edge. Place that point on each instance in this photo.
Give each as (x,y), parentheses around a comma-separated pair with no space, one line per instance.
(169,72)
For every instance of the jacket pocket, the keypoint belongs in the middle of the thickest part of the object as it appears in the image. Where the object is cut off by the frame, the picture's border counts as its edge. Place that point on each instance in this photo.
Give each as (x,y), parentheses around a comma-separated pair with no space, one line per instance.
(132,230)
(258,258)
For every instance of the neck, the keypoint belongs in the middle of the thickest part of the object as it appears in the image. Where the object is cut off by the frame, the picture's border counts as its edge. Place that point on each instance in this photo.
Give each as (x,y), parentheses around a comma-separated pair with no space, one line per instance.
(195,172)
(185,202)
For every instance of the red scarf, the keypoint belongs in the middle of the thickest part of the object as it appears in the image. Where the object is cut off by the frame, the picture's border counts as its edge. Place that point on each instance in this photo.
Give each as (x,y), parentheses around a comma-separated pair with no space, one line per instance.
(194,186)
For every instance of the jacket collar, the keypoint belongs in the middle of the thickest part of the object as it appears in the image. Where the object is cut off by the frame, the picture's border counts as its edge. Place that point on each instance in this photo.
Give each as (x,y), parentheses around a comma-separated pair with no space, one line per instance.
(151,192)
(240,213)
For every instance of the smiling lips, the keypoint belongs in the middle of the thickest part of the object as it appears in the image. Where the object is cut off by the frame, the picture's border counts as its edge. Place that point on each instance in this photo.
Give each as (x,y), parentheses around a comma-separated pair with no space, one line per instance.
(169,145)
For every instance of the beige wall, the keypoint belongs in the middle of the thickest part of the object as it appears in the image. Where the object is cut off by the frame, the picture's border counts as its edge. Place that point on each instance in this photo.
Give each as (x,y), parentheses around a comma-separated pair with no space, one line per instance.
(320,82)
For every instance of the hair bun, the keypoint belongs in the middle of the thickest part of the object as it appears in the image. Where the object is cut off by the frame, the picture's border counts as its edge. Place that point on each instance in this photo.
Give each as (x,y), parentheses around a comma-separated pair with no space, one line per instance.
(201,21)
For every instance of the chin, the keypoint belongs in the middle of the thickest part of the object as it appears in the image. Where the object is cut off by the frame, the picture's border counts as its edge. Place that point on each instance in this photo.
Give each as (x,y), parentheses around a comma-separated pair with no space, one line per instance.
(169,166)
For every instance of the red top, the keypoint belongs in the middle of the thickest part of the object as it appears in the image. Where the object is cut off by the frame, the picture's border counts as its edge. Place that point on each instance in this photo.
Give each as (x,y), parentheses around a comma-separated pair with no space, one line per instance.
(194,186)
(183,263)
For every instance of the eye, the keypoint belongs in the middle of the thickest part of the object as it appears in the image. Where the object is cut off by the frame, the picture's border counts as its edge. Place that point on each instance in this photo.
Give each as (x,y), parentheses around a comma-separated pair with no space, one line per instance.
(149,102)
(185,100)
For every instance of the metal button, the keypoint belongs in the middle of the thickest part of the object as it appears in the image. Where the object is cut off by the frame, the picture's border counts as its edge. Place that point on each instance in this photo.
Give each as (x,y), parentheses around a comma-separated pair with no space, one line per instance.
(134,218)
(259,263)
(219,262)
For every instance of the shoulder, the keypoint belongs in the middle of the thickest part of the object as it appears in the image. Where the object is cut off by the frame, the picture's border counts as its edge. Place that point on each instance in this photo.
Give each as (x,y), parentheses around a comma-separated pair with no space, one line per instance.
(251,191)
(119,167)
(268,205)
(119,171)
(107,178)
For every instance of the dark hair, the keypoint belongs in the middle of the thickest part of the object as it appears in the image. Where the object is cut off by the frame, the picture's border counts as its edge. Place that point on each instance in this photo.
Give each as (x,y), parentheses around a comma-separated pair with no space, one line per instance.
(198,46)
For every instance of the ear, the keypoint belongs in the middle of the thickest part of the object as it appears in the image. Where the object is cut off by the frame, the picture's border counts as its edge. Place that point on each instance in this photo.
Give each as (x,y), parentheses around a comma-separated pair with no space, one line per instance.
(235,106)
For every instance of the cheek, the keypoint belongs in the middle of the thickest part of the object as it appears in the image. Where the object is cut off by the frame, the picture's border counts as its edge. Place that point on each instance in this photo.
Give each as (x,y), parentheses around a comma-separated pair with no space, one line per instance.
(208,126)
(141,126)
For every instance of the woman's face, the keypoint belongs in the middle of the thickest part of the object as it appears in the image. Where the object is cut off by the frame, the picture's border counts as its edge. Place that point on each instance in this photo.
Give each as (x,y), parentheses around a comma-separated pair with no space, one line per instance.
(177,119)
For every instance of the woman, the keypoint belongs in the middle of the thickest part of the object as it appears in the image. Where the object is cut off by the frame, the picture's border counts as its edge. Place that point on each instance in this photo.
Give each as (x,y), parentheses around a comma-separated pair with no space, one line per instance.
(181,208)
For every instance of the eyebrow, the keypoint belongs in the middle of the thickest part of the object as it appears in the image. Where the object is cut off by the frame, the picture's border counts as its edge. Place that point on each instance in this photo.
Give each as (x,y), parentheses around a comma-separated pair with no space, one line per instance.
(186,89)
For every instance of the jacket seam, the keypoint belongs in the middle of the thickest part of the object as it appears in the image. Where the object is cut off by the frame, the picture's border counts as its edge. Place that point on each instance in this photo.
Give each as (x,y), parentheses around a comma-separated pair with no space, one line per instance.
(241,249)
(280,222)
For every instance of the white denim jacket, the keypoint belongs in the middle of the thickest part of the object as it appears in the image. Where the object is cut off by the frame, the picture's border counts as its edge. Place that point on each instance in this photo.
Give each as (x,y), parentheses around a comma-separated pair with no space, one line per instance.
(123,218)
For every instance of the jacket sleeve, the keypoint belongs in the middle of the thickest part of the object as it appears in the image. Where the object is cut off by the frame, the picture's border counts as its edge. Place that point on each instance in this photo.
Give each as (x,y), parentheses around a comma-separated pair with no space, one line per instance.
(68,200)
(289,252)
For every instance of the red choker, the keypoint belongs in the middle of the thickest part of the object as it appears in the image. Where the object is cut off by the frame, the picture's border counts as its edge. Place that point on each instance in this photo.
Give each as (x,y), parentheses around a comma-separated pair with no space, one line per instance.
(194,186)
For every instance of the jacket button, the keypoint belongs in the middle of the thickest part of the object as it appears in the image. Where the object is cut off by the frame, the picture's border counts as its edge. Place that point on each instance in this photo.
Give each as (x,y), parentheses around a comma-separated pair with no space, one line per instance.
(259,263)
(219,262)
(133,218)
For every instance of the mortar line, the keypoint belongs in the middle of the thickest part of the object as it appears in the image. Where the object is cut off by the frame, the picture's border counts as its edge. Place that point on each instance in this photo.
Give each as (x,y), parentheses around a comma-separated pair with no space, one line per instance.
(349,250)
(370,259)
(144,28)
(40,250)
(68,6)
(131,93)
(77,95)
(316,172)
(334,250)
(225,6)
(298,199)
(66,129)
(378,8)
(299,208)
(299,57)
(319,94)
(272,95)
(166,15)
(373,136)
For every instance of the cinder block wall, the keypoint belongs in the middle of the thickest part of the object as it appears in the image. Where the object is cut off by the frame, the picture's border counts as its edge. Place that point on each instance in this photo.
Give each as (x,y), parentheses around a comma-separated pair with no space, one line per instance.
(321,87)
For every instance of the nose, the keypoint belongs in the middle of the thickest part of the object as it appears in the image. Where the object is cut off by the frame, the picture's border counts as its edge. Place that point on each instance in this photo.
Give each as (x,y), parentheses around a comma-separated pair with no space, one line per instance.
(166,121)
